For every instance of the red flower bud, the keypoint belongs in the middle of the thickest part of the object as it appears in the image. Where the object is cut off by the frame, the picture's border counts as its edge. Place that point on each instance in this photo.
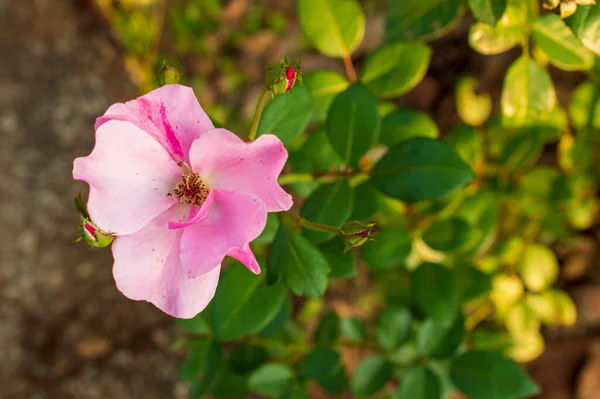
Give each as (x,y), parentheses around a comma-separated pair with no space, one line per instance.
(281,78)
(290,77)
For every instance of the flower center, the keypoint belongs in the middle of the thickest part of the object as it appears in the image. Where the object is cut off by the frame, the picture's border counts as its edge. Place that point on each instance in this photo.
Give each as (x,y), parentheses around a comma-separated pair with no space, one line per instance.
(191,189)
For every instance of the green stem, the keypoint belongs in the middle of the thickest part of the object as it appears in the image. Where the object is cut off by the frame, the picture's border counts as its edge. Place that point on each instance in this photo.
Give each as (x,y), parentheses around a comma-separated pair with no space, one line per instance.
(355,179)
(295,178)
(258,113)
(319,227)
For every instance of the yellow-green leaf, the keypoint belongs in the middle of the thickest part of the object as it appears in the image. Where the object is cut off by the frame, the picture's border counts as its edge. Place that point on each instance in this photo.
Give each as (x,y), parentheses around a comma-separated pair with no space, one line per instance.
(539,268)
(552,35)
(528,93)
(395,68)
(474,109)
(334,27)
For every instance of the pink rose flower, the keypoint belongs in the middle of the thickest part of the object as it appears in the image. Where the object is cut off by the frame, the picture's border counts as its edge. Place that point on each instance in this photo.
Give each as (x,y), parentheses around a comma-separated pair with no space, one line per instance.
(179,195)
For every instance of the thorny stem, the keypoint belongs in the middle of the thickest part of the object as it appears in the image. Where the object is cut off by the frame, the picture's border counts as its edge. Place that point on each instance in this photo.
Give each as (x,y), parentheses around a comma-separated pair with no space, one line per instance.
(258,113)
(350,68)
(318,227)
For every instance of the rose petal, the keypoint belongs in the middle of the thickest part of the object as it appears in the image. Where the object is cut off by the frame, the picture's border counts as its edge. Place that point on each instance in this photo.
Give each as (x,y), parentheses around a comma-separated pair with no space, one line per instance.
(235,219)
(197,214)
(170,114)
(148,267)
(224,161)
(130,176)
(246,257)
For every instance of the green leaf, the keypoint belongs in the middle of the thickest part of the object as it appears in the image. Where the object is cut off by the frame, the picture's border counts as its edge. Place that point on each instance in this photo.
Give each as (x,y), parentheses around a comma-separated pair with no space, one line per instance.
(395,68)
(508,32)
(528,92)
(331,204)
(323,85)
(406,124)
(287,115)
(448,235)
(393,327)
(522,151)
(204,366)
(271,380)
(389,250)
(467,143)
(354,329)
(370,376)
(366,202)
(342,264)
(282,317)
(244,303)
(576,154)
(586,25)
(474,109)
(420,169)
(488,11)
(472,282)
(299,392)
(334,27)
(491,340)
(325,366)
(487,375)
(416,19)
(436,292)
(196,325)
(318,150)
(584,108)
(303,267)
(197,352)
(319,361)
(353,123)
(438,340)
(277,253)
(481,209)
(247,357)
(565,51)
(328,331)
(419,383)
(268,234)
(231,385)
(299,163)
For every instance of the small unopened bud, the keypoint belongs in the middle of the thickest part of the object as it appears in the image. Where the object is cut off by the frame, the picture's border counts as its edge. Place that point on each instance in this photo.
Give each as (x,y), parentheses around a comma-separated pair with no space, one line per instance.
(93,236)
(90,233)
(356,233)
(281,78)
(167,75)
(585,2)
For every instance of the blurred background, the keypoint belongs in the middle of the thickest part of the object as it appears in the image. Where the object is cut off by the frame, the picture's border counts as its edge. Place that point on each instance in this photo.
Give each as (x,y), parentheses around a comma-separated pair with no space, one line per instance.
(65,330)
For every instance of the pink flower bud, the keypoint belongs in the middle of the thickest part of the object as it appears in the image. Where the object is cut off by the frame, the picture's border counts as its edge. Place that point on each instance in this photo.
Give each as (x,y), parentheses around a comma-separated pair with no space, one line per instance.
(281,78)
(92,235)
(290,78)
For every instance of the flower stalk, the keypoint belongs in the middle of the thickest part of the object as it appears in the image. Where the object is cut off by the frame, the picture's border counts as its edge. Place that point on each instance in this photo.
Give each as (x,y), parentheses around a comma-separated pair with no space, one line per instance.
(319,227)
(260,107)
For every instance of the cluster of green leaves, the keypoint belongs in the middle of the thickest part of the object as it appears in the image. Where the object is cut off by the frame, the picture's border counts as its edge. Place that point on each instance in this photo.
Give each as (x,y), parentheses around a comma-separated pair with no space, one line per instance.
(200,38)
(461,276)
